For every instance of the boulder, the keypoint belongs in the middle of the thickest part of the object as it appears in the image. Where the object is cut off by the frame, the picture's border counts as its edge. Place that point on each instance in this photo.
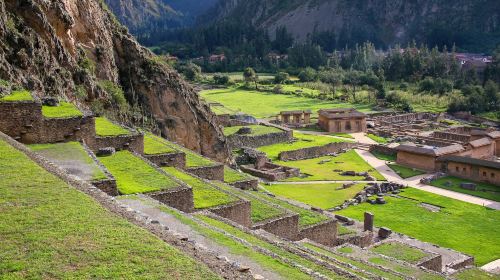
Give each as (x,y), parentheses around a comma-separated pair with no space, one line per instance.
(50,101)
(381,200)
(349,173)
(244,130)
(384,232)
(468,186)
(106,151)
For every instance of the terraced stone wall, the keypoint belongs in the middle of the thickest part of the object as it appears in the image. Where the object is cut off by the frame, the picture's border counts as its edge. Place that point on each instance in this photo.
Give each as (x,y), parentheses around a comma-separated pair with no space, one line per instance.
(383,150)
(323,233)
(236,141)
(314,152)
(179,198)
(238,212)
(67,129)
(20,120)
(286,226)
(177,160)
(133,143)
(250,184)
(215,172)
(108,186)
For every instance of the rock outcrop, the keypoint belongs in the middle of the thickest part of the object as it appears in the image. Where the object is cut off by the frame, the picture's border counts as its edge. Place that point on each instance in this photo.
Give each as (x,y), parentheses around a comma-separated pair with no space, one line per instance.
(67,48)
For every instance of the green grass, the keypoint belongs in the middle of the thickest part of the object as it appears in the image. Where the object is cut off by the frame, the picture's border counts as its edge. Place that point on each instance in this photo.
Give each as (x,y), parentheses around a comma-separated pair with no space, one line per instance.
(306,217)
(400,251)
(192,159)
(154,145)
(280,252)
(104,127)
(378,139)
(256,130)
(461,226)
(268,104)
(232,176)
(324,196)
(345,250)
(70,154)
(301,141)
(300,89)
(349,161)
(18,95)
(343,135)
(384,156)
(483,190)
(133,175)
(64,110)
(49,230)
(405,172)
(475,274)
(205,195)
(343,230)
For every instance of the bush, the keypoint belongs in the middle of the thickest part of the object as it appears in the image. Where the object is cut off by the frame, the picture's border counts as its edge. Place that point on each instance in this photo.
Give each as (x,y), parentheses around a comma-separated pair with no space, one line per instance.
(221,79)
(190,70)
(308,75)
(281,78)
(115,92)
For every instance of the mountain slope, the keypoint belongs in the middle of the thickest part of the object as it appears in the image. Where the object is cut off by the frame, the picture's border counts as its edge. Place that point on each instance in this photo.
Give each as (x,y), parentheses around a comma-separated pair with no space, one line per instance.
(62,48)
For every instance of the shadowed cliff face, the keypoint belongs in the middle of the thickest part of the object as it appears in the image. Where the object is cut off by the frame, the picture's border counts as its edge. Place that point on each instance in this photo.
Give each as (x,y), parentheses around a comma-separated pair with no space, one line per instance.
(56,47)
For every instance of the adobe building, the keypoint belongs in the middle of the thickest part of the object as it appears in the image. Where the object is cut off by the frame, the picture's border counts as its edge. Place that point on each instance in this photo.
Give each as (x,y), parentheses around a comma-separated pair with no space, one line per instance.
(342,120)
(483,148)
(473,169)
(495,137)
(295,117)
(424,157)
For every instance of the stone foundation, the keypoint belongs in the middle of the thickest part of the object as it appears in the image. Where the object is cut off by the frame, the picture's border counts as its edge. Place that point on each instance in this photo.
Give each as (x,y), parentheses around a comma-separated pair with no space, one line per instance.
(434,262)
(251,184)
(462,263)
(133,143)
(383,150)
(238,212)
(362,240)
(177,160)
(323,233)
(178,198)
(107,186)
(215,172)
(285,227)
(271,172)
(314,152)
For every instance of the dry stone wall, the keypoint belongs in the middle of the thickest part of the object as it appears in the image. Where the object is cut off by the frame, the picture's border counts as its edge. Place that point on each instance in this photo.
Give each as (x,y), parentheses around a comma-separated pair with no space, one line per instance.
(179,198)
(250,184)
(285,227)
(324,233)
(314,152)
(237,141)
(133,143)
(215,172)
(177,160)
(238,212)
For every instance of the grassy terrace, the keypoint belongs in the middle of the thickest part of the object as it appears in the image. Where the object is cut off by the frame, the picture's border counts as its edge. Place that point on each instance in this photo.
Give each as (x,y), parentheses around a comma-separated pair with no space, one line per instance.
(324,196)
(154,145)
(301,141)
(280,252)
(18,95)
(483,190)
(104,127)
(49,230)
(307,217)
(476,274)
(384,156)
(192,159)
(268,104)
(378,139)
(232,176)
(133,175)
(261,210)
(73,157)
(64,110)
(205,195)
(256,130)
(451,227)
(405,172)
(400,251)
(319,170)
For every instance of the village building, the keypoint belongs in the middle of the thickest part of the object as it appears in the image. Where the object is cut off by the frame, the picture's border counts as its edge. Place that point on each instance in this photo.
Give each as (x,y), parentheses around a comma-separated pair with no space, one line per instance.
(342,120)
(424,157)
(483,148)
(296,118)
(216,58)
(477,170)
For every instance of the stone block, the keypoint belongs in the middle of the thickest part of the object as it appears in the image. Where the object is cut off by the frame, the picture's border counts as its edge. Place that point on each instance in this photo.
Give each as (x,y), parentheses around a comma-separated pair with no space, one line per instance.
(368,222)
(468,186)
(384,232)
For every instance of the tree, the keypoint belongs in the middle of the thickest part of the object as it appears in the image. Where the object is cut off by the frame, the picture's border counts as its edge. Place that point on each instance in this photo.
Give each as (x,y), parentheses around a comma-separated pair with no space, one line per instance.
(308,75)
(492,96)
(190,70)
(281,78)
(353,78)
(250,76)
(332,77)
(221,79)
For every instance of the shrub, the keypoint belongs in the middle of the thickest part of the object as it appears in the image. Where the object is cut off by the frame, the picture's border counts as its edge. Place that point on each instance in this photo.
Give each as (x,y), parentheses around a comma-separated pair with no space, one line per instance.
(221,79)
(115,92)
(308,75)
(281,78)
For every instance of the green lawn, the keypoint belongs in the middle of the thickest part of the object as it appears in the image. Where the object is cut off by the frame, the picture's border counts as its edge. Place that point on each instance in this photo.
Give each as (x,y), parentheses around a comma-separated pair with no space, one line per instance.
(343,135)
(133,175)
(268,104)
(18,95)
(349,161)
(205,195)
(72,157)
(484,190)
(300,89)
(475,274)
(405,172)
(256,130)
(384,156)
(64,110)
(232,176)
(301,141)
(400,251)
(378,139)
(324,196)
(465,227)
(154,145)
(49,230)
(104,127)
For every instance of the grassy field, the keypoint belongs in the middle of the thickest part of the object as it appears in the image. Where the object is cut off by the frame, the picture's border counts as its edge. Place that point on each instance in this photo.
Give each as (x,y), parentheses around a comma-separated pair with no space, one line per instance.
(405,172)
(268,104)
(64,110)
(378,139)
(384,156)
(205,195)
(465,227)
(104,127)
(343,135)
(49,230)
(256,130)
(71,154)
(324,196)
(154,145)
(484,190)
(238,76)
(400,251)
(300,89)
(475,274)
(319,170)
(133,175)
(301,141)
(18,95)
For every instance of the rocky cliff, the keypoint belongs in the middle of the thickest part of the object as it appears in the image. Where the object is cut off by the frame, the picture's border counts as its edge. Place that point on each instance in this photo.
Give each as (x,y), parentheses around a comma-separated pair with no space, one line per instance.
(66,47)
